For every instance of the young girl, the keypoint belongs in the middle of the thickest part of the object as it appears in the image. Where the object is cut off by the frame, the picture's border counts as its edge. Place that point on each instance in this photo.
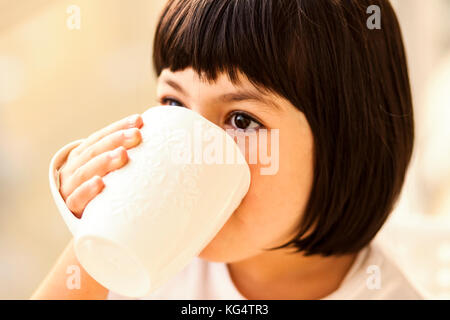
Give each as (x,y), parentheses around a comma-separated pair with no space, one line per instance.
(339,93)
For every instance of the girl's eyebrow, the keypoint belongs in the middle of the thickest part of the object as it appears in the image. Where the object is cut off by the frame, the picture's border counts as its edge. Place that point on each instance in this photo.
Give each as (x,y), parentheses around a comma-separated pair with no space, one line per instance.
(248,95)
(176,86)
(241,95)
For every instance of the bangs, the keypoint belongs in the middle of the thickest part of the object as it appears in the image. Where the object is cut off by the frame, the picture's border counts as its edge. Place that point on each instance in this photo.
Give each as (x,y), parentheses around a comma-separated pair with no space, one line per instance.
(216,37)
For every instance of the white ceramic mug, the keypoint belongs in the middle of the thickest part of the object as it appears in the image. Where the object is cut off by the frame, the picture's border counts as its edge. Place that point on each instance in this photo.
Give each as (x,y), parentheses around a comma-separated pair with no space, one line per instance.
(159,211)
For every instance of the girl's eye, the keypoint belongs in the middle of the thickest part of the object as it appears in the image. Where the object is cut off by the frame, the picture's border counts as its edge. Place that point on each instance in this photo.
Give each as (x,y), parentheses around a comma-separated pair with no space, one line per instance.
(242,120)
(237,119)
(171,102)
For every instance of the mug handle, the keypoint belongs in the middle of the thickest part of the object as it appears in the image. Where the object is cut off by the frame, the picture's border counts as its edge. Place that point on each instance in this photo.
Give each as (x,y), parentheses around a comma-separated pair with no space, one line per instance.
(59,158)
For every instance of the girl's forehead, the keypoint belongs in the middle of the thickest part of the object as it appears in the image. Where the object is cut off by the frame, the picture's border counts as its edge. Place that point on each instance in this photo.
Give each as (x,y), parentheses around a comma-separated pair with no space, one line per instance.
(189,79)
(191,75)
(189,84)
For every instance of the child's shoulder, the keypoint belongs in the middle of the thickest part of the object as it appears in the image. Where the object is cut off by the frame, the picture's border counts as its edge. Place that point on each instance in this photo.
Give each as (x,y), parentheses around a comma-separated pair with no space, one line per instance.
(376,275)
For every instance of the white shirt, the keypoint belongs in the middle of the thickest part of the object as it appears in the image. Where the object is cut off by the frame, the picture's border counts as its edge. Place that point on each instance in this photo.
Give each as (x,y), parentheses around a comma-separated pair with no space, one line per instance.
(372,276)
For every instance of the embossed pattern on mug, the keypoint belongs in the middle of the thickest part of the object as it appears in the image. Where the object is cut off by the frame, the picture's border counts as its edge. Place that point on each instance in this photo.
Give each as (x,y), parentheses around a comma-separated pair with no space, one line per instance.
(157,172)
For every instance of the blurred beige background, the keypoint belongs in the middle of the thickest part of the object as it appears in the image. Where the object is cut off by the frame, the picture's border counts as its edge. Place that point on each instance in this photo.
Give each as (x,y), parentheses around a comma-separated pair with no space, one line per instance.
(59,84)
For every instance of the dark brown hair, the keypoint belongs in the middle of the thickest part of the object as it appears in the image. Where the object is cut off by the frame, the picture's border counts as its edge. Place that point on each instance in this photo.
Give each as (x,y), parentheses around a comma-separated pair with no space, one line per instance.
(351,83)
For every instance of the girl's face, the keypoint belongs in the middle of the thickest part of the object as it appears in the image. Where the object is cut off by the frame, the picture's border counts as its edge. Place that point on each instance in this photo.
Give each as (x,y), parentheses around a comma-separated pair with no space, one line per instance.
(271,210)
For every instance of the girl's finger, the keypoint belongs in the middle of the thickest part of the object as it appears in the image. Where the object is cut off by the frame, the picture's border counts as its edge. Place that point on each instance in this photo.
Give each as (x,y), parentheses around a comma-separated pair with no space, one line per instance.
(98,166)
(82,195)
(127,138)
(133,121)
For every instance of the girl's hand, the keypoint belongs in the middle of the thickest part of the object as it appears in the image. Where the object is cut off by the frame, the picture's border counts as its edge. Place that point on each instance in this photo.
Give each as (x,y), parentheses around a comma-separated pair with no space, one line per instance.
(102,152)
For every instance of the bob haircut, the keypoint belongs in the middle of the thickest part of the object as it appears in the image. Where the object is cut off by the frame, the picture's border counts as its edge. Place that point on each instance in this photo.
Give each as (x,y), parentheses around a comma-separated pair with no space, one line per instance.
(351,83)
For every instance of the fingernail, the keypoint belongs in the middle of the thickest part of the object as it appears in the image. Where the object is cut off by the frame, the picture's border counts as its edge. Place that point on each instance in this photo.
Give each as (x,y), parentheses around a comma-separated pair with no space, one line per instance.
(133,119)
(93,182)
(116,153)
(130,133)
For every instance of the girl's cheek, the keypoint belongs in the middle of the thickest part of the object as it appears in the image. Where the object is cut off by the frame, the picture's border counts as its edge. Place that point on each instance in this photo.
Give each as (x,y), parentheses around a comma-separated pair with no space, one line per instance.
(261,154)
(261,151)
